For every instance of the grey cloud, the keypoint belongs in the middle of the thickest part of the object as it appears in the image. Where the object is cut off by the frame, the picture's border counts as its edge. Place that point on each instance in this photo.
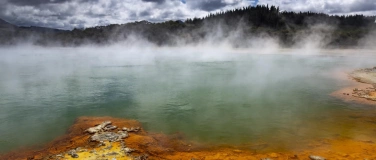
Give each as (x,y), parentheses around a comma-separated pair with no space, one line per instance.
(355,6)
(43,15)
(211,5)
(363,5)
(43,2)
(34,2)
(145,13)
(95,15)
(155,1)
(76,21)
(68,14)
(166,14)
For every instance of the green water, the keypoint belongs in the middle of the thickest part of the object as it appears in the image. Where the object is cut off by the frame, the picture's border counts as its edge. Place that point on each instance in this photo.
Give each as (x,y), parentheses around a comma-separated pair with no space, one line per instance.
(224,98)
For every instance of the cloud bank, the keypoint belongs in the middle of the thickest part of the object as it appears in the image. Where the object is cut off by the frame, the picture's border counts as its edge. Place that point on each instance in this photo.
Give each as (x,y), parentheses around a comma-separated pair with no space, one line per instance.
(68,14)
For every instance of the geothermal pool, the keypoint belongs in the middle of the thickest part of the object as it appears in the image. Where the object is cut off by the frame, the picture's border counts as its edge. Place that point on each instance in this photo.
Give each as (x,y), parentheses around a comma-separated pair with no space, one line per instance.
(280,101)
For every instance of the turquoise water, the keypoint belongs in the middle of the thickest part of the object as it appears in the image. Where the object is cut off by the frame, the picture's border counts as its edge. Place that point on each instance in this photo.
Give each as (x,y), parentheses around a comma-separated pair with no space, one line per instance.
(227,98)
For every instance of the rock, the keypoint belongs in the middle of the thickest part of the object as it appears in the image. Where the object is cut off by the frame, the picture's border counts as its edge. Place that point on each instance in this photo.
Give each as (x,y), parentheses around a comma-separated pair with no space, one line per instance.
(60,156)
(313,157)
(109,127)
(122,144)
(131,129)
(99,127)
(123,134)
(105,136)
(142,157)
(101,143)
(79,149)
(128,150)
(73,153)
(109,136)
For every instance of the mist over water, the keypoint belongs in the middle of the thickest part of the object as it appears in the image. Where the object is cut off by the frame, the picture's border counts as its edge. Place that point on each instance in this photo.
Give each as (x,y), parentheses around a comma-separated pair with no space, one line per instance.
(212,94)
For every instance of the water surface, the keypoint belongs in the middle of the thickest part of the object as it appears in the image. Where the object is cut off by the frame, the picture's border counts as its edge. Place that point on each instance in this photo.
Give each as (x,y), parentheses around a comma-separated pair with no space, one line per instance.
(231,98)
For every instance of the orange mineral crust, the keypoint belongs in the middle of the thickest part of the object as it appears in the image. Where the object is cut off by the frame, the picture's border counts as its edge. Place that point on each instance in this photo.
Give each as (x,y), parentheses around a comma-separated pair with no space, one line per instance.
(78,143)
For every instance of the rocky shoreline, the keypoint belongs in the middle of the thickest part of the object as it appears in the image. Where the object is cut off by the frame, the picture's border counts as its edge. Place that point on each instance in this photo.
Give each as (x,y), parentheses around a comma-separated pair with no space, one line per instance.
(364,91)
(110,141)
(107,138)
(98,141)
(367,75)
(368,93)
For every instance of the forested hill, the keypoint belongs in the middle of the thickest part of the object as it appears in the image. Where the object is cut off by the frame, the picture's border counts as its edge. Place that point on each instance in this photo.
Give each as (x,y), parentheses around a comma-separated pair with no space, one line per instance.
(237,25)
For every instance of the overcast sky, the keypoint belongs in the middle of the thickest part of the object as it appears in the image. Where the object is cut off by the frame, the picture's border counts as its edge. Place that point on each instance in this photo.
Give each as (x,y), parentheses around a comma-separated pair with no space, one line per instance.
(68,14)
